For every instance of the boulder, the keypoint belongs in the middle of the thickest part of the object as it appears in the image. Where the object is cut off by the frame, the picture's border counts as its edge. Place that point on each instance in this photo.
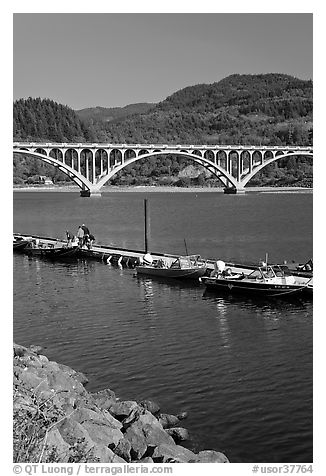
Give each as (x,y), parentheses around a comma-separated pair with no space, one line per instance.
(19,350)
(148,459)
(31,381)
(35,349)
(121,410)
(101,433)
(104,418)
(132,417)
(43,358)
(104,398)
(178,434)
(103,454)
(155,436)
(134,434)
(147,418)
(60,381)
(182,415)
(56,445)
(172,454)
(150,406)
(167,421)
(210,456)
(79,376)
(123,449)
(30,361)
(72,432)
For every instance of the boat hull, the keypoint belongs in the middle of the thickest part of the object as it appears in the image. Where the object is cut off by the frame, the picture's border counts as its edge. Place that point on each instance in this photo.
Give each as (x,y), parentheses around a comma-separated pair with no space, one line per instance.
(54,253)
(175,273)
(20,245)
(258,288)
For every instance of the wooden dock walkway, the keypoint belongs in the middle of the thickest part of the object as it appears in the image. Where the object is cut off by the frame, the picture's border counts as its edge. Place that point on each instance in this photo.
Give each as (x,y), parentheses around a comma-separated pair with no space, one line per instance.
(127,258)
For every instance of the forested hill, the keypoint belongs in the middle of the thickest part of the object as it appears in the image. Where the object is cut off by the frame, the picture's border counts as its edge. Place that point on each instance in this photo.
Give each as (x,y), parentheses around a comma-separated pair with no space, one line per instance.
(247,109)
(263,109)
(107,114)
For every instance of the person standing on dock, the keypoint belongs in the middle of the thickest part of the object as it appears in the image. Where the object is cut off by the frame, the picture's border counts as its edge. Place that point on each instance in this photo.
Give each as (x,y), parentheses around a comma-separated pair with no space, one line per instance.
(80,236)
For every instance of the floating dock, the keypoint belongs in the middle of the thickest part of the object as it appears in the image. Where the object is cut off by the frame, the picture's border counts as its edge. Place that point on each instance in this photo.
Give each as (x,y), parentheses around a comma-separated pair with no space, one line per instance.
(127,258)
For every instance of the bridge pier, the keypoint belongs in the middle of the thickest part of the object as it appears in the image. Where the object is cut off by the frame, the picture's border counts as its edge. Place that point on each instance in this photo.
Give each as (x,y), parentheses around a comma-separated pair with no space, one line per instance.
(234,191)
(89,193)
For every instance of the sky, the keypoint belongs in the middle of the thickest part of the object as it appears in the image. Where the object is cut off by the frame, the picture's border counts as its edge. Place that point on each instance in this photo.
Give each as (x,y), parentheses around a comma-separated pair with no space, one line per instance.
(114,59)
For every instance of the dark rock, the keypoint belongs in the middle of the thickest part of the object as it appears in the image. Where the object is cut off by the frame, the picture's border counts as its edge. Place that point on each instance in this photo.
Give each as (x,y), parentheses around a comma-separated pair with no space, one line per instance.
(132,417)
(178,434)
(182,415)
(172,454)
(123,449)
(150,406)
(121,410)
(137,440)
(210,456)
(167,421)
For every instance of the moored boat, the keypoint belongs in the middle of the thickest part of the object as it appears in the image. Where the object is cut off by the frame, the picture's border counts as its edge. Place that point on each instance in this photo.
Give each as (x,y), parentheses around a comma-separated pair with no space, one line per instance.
(183,267)
(51,251)
(266,280)
(20,243)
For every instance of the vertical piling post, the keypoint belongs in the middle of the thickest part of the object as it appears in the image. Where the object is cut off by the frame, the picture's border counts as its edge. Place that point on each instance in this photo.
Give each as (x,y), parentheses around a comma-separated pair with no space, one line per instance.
(147,224)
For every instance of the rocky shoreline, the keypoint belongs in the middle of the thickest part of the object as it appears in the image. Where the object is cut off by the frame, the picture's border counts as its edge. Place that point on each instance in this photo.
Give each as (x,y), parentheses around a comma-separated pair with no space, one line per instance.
(57,420)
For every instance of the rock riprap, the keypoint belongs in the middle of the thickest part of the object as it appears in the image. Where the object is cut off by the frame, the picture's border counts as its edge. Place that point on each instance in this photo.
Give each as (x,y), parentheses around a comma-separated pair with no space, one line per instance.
(57,420)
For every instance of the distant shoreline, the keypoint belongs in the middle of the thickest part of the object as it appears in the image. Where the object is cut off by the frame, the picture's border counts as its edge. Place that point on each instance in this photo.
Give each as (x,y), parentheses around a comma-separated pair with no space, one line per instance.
(75,188)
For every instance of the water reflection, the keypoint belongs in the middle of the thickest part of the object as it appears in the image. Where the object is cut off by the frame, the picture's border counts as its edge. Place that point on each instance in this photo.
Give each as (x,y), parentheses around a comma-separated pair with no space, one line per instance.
(269,307)
(222,323)
(148,297)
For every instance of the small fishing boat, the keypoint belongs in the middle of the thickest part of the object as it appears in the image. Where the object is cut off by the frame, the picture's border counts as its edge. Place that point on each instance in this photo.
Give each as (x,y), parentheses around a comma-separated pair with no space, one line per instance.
(51,251)
(64,252)
(183,267)
(20,243)
(265,280)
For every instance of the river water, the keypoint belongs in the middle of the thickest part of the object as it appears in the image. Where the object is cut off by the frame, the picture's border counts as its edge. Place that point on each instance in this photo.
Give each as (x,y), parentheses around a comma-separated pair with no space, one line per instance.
(241,367)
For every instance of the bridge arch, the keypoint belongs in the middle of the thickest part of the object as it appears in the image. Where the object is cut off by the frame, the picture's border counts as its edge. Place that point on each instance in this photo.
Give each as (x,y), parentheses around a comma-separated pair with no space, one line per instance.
(77,177)
(280,155)
(214,168)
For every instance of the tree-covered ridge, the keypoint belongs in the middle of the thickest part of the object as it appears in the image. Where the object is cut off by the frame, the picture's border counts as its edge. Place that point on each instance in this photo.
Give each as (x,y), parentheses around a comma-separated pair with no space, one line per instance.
(107,114)
(248,109)
(267,109)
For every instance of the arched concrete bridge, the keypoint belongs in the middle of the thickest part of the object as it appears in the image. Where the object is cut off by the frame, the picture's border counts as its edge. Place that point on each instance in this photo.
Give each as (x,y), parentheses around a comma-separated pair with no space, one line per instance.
(91,166)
